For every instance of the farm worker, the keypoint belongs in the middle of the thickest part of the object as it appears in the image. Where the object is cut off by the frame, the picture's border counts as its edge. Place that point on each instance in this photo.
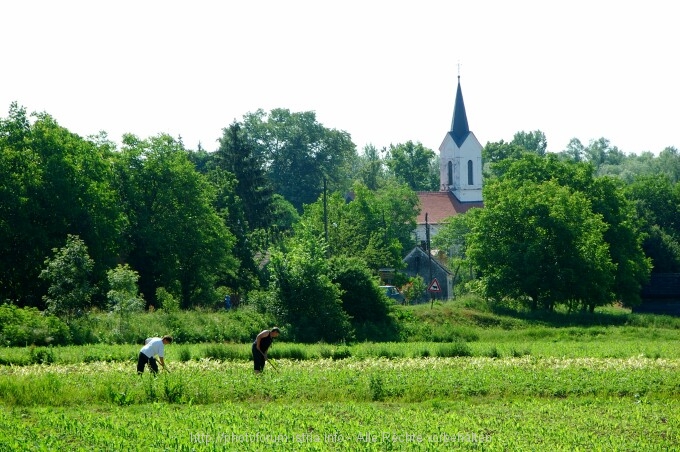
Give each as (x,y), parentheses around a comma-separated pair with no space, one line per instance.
(153,346)
(261,345)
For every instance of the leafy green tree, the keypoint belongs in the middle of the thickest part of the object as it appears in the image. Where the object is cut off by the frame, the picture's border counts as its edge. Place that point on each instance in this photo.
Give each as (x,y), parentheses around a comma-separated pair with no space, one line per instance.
(245,200)
(123,296)
(307,299)
(663,249)
(231,209)
(362,299)
(657,201)
(494,153)
(237,155)
(669,163)
(299,153)
(534,142)
(452,235)
(372,226)
(541,244)
(399,207)
(411,164)
(604,199)
(177,239)
(623,235)
(370,168)
(22,241)
(415,290)
(68,274)
(602,155)
(575,151)
(452,238)
(52,183)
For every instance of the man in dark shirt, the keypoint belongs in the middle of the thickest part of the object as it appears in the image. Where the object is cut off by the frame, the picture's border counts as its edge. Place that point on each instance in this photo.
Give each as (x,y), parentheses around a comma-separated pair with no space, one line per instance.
(262,343)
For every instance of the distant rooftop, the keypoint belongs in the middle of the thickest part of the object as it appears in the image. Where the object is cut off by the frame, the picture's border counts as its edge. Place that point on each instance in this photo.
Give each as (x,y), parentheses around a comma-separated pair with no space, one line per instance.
(440,205)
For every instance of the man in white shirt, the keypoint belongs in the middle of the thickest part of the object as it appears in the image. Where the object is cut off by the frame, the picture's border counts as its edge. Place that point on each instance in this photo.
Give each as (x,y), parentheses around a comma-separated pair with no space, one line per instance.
(153,346)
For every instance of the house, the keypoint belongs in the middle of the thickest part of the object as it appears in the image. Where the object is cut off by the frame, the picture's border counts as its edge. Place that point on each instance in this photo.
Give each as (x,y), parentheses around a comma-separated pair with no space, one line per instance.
(661,295)
(433,272)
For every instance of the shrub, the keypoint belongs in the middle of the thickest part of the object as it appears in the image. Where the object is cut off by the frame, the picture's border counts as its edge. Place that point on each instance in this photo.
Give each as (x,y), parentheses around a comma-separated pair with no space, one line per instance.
(28,326)
(454,349)
(41,355)
(68,274)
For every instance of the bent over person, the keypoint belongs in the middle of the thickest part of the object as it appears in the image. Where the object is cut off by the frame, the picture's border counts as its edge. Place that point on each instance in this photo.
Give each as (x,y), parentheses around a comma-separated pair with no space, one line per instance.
(262,343)
(153,346)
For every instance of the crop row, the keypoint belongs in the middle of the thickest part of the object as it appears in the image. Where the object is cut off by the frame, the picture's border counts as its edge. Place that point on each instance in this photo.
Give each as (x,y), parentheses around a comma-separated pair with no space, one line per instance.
(496,346)
(395,380)
(490,424)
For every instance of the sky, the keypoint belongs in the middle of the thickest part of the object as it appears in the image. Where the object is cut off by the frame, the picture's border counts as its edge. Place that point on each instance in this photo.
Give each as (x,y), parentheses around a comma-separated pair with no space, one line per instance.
(386,72)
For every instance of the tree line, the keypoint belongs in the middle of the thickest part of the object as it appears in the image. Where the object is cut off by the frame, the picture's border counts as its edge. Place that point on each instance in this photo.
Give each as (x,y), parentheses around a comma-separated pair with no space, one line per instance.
(287,216)
(81,218)
(580,228)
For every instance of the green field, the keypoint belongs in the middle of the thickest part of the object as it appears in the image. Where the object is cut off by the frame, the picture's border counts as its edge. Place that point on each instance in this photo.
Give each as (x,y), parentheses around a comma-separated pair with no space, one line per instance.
(496,383)
(522,403)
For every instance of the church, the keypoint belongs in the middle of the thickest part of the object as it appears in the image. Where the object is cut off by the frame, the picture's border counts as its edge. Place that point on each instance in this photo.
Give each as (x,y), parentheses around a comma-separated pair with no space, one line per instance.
(460,175)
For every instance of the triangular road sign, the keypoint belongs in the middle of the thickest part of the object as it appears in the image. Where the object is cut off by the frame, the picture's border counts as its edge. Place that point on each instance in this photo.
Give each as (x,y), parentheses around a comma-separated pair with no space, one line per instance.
(434,286)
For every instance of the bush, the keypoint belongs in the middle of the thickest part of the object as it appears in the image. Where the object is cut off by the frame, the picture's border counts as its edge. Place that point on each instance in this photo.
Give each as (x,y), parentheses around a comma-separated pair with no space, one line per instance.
(361,298)
(306,298)
(454,349)
(28,326)
(41,355)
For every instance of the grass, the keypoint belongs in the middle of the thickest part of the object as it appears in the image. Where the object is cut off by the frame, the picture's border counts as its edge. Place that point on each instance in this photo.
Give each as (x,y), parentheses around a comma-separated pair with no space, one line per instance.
(489,424)
(491,380)
(371,404)
(351,380)
(533,340)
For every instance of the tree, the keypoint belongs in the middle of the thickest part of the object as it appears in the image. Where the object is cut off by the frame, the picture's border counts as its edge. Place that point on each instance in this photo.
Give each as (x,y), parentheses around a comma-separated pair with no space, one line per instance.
(68,274)
(657,202)
(575,151)
(452,238)
(605,201)
(299,153)
(601,153)
(375,227)
(52,183)
(237,155)
(123,296)
(539,243)
(245,201)
(177,240)
(306,297)
(411,164)
(362,299)
(669,163)
(534,142)
(495,153)
(370,168)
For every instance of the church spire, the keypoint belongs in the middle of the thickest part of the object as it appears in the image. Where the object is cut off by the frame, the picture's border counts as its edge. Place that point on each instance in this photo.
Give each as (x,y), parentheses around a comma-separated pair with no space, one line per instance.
(459,123)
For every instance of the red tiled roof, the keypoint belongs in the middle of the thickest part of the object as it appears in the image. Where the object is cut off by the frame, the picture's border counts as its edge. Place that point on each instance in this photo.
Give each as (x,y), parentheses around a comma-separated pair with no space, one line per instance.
(440,205)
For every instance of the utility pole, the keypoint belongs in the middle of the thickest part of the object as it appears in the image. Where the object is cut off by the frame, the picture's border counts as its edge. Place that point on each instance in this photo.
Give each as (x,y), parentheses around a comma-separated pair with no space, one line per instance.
(429,255)
(325,215)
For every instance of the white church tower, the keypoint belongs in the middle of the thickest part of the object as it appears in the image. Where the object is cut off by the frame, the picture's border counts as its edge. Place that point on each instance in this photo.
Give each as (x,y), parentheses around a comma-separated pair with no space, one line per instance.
(460,157)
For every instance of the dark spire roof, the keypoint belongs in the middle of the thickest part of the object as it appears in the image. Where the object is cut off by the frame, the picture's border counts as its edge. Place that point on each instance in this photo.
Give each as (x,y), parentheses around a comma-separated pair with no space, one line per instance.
(459,123)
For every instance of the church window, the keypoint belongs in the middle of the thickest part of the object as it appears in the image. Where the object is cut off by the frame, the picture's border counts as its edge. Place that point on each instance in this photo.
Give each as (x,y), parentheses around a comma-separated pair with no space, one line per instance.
(450,172)
(470,178)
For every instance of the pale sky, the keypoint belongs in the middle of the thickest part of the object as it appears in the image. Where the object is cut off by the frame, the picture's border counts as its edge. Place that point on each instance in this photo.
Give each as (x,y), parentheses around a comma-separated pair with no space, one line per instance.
(383,71)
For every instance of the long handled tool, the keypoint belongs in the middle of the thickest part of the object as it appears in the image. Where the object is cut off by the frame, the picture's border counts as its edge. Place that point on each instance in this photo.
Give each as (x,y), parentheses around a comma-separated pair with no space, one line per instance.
(274,365)
(270,361)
